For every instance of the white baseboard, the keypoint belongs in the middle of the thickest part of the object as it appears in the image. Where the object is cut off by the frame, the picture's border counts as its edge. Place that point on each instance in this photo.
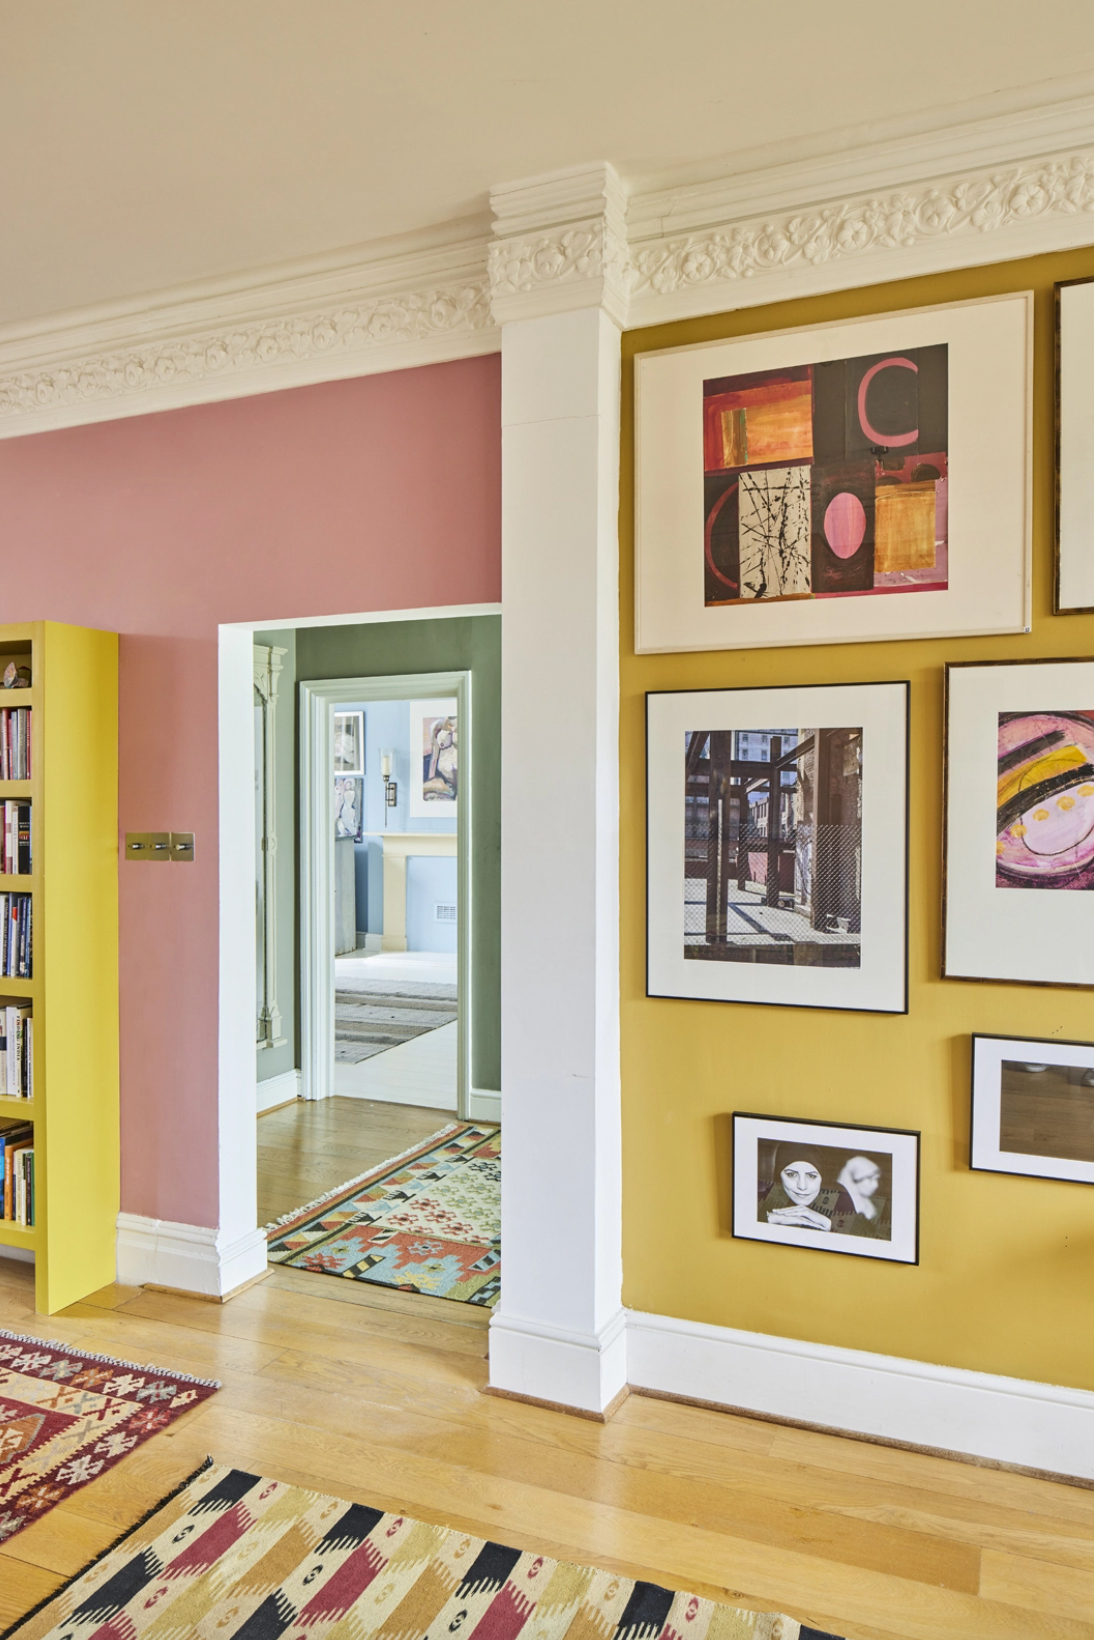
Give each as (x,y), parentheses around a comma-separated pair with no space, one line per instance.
(574,1369)
(483,1106)
(1008,1420)
(370,944)
(190,1257)
(277,1090)
(24,1255)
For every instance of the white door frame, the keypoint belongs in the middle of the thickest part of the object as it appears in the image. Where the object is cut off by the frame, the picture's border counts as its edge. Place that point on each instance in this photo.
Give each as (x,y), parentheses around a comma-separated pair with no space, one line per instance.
(240,1246)
(317,703)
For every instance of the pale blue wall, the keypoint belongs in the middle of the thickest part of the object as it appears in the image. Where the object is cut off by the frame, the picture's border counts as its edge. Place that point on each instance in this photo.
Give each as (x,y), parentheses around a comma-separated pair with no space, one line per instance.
(387,728)
(429,881)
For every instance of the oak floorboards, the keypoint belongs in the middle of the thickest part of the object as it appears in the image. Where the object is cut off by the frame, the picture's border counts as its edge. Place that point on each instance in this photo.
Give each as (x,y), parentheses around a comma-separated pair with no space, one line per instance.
(375,1395)
(312,1146)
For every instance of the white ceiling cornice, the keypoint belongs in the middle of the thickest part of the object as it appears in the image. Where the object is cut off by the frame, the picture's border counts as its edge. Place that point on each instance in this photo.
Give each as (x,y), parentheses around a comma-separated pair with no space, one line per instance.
(1003,178)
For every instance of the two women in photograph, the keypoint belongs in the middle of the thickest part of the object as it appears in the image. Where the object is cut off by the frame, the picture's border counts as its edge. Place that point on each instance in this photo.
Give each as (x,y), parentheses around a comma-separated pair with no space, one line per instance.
(818,1189)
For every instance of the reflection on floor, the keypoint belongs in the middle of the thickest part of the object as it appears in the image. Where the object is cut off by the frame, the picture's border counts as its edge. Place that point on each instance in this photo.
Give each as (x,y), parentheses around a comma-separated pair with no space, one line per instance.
(312,1146)
(420,1072)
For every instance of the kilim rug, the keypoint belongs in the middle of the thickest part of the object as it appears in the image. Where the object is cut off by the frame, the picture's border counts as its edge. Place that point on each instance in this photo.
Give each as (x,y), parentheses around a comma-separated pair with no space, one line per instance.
(429,1221)
(371,1016)
(66,1416)
(242,1558)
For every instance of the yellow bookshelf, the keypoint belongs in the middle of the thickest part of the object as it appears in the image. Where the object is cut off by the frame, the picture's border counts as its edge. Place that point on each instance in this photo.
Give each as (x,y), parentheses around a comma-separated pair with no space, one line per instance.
(73,989)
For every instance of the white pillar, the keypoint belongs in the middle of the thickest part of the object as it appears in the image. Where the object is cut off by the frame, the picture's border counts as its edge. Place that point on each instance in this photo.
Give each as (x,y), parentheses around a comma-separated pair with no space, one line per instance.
(557,1334)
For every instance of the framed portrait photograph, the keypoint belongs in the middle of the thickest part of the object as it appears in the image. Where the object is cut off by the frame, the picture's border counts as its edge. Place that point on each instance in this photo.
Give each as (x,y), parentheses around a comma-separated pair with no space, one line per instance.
(1074,583)
(434,767)
(1033,1108)
(834,1187)
(349,743)
(859,481)
(776,845)
(1019,838)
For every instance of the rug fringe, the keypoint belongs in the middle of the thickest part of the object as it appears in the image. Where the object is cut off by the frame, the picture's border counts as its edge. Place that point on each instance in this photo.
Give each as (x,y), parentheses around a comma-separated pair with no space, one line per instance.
(423,1144)
(114,1360)
(13,1629)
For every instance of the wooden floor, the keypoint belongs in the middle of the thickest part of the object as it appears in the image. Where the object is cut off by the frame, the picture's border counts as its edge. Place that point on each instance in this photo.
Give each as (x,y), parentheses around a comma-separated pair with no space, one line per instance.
(312,1146)
(376,1396)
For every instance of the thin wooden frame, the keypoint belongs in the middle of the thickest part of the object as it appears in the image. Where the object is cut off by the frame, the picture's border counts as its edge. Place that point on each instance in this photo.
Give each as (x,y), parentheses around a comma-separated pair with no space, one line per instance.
(832,1241)
(947,787)
(1052,1052)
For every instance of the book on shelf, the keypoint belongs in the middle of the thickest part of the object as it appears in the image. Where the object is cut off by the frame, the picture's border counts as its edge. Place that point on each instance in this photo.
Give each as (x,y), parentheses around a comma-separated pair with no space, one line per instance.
(18,1181)
(16,1051)
(16,932)
(15,743)
(17,855)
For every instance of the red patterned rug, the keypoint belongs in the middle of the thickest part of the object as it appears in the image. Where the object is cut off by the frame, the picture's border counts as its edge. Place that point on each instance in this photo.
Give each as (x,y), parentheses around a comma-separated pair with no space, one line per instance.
(233,1555)
(66,1416)
(428,1221)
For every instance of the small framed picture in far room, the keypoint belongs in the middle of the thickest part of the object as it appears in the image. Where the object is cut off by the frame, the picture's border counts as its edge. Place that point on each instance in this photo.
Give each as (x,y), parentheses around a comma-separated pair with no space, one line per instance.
(1033,1108)
(834,1187)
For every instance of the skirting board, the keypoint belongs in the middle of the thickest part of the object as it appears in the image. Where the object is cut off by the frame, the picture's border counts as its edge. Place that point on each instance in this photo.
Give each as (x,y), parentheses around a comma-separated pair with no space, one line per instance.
(483,1106)
(23,1254)
(536,1362)
(277,1090)
(191,1258)
(912,1403)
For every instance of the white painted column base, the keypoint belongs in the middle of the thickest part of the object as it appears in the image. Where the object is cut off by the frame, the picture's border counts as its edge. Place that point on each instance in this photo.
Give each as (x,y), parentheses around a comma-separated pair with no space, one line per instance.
(976,1414)
(189,1257)
(573,1369)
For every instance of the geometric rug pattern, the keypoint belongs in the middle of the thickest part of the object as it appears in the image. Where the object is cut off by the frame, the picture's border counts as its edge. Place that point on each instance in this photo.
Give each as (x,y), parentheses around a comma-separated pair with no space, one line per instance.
(241,1558)
(66,1416)
(428,1221)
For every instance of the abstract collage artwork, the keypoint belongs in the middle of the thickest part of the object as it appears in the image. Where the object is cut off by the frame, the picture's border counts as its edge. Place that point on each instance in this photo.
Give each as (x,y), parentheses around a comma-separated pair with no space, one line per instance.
(828,480)
(1045,813)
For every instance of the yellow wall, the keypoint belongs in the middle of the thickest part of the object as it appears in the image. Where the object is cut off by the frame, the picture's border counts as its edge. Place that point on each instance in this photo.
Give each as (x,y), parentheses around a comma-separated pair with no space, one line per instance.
(1005,1282)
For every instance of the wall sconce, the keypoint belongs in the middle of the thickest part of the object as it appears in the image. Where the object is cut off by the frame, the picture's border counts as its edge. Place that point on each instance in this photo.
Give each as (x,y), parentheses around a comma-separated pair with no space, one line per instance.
(391,787)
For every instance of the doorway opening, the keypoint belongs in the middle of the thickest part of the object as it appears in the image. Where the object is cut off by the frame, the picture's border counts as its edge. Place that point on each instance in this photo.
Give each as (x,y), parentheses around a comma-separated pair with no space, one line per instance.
(376,972)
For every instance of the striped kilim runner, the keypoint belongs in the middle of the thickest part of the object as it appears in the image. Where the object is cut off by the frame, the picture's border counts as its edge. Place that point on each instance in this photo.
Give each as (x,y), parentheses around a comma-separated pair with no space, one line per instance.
(241,1558)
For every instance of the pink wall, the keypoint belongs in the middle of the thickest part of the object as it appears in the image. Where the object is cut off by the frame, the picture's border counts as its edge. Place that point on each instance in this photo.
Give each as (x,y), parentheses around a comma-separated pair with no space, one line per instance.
(380,493)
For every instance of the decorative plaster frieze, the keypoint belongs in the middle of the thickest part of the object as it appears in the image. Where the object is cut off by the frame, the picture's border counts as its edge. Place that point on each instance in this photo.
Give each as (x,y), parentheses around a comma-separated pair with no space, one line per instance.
(561,244)
(64,378)
(1044,205)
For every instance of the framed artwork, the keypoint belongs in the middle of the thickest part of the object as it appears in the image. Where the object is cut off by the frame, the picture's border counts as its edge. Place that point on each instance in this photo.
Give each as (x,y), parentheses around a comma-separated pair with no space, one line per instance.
(349,806)
(830,1186)
(349,743)
(1074,585)
(1019,855)
(1033,1108)
(434,769)
(860,481)
(776,845)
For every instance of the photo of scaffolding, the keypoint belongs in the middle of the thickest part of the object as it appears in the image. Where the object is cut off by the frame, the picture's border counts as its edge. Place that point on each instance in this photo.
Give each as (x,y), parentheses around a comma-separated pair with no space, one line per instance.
(773,846)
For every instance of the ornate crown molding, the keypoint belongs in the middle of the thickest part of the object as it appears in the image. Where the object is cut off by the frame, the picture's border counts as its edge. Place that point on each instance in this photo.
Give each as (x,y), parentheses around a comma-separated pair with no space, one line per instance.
(318,325)
(560,244)
(988,216)
(1012,176)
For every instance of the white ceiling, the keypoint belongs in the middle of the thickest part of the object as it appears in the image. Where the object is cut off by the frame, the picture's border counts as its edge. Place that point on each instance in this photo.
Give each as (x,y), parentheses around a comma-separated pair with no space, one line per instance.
(149,143)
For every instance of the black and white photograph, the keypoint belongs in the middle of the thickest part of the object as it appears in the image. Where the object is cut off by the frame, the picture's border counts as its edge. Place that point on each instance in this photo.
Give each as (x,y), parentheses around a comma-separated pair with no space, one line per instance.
(1033,1108)
(777,845)
(835,1187)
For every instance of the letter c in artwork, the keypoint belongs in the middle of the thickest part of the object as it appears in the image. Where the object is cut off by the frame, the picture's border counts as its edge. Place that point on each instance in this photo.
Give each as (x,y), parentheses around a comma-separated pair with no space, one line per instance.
(892,441)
